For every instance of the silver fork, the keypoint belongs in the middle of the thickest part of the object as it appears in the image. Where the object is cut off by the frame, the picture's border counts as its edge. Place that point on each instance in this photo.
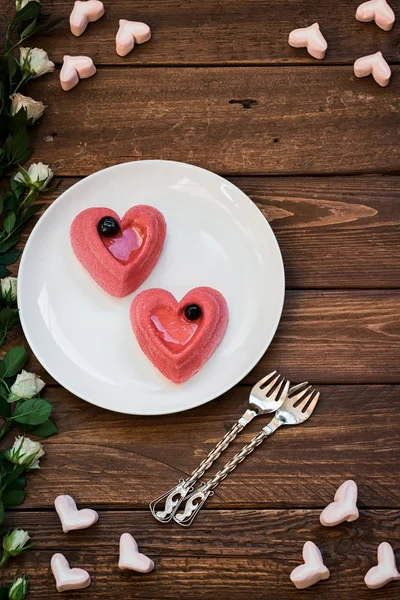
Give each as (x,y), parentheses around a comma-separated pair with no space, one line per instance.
(265,397)
(296,409)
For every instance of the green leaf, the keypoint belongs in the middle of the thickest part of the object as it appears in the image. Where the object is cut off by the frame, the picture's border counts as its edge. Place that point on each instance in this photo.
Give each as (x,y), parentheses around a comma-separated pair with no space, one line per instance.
(16,187)
(17,146)
(2,369)
(12,65)
(30,211)
(20,119)
(31,11)
(15,359)
(5,408)
(45,430)
(9,221)
(32,412)
(8,318)
(4,271)
(1,512)
(29,29)
(19,483)
(10,242)
(8,258)
(13,498)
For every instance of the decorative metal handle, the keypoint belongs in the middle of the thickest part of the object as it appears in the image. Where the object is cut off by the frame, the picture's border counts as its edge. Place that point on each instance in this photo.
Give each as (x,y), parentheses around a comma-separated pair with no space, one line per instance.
(197,498)
(174,497)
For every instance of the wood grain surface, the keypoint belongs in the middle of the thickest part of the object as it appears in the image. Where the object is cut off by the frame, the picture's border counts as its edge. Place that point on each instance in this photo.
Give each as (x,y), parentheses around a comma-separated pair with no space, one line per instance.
(230,32)
(305,120)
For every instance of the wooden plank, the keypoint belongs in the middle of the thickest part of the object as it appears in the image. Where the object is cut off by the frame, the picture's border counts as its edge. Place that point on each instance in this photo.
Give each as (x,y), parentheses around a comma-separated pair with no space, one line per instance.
(227,32)
(232,554)
(340,232)
(305,120)
(113,460)
(325,337)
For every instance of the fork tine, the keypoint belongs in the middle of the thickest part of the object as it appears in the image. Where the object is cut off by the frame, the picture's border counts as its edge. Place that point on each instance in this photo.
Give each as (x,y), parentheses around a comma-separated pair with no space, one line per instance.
(312,405)
(270,384)
(297,397)
(298,388)
(304,402)
(281,390)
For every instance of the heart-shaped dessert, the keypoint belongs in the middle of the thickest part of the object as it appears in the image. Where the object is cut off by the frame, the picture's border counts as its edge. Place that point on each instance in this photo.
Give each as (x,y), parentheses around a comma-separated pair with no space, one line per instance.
(129,33)
(375,65)
(67,578)
(75,68)
(130,557)
(313,569)
(385,571)
(84,13)
(344,505)
(179,337)
(378,11)
(118,254)
(71,518)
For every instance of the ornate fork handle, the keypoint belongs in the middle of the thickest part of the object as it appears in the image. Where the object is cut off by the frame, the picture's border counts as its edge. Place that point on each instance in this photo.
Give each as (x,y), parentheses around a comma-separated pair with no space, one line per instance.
(196,500)
(173,498)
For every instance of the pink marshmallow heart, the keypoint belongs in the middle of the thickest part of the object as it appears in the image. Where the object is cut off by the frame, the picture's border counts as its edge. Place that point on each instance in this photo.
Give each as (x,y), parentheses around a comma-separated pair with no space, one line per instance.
(129,33)
(378,11)
(385,571)
(344,506)
(84,13)
(71,518)
(310,38)
(67,578)
(375,65)
(313,569)
(75,68)
(130,557)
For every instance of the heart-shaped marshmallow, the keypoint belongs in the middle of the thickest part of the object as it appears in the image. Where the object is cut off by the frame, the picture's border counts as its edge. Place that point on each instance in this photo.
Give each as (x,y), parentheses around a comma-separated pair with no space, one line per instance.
(129,33)
(120,263)
(71,518)
(375,65)
(378,11)
(313,569)
(344,505)
(75,68)
(385,571)
(310,38)
(130,557)
(67,578)
(177,344)
(83,13)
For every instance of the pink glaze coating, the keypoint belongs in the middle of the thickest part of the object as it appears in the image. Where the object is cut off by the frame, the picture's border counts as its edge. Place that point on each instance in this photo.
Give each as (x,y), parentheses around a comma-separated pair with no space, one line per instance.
(385,571)
(130,557)
(378,11)
(129,34)
(83,13)
(310,38)
(75,68)
(178,347)
(375,65)
(118,277)
(67,578)
(344,506)
(71,518)
(313,569)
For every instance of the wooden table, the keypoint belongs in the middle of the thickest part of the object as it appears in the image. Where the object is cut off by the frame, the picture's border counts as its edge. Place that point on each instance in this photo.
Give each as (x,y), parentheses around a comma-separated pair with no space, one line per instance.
(318,151)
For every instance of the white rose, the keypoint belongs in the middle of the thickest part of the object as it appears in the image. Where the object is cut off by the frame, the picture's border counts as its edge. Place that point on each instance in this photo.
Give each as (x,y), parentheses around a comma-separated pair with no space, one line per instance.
(20,4)
(8,289)
(37,176)
(14,543)
(25,452)
(35,62)
(27,385)
(18,589)
(34,108)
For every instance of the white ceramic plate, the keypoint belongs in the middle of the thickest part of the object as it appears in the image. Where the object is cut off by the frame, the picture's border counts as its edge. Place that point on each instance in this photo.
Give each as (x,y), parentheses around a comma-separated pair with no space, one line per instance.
(216,237)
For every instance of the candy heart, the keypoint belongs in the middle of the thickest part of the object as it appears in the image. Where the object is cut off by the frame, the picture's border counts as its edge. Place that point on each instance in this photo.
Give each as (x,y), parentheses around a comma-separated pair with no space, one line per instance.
(118,265)
(385,571)
(84,13)
(343,507)
(373,64)
(67,578)
(310,38)
(378,11)
(75,68)
(176,345)
(313,569)
(72,518)
(129,33)
(130,557)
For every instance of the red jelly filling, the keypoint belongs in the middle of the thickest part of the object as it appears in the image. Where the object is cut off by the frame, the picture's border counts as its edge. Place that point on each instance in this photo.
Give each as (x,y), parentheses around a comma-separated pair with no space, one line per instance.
(125,244)
(174,329)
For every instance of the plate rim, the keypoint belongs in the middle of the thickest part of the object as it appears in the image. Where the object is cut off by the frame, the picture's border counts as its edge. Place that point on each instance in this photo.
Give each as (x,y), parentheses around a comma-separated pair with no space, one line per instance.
(70,387)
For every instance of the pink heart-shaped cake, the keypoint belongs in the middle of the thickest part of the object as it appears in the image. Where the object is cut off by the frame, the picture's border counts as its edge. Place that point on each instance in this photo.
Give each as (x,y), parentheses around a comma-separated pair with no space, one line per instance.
(118,254)
(179,337)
